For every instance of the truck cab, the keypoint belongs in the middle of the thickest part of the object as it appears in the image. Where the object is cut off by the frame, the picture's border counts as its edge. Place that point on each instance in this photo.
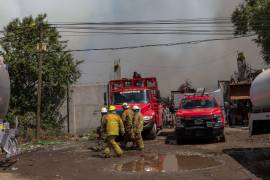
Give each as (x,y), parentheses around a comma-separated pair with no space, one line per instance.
(199,116)
(142,92)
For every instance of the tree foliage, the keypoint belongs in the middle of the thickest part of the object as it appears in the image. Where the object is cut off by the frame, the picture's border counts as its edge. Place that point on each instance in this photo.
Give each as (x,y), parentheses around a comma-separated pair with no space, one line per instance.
(59,67)
(254,16)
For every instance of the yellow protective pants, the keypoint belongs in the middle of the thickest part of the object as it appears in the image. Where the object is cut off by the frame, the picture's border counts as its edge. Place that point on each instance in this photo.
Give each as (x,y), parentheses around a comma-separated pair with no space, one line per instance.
(111,144)
(129,137)
(139,140)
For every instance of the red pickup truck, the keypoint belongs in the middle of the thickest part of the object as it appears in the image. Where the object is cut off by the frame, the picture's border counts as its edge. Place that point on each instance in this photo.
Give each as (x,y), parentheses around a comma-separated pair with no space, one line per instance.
(199,116)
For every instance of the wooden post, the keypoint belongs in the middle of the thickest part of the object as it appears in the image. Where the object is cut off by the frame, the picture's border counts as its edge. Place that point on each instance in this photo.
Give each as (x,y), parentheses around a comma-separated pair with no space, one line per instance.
(41,47)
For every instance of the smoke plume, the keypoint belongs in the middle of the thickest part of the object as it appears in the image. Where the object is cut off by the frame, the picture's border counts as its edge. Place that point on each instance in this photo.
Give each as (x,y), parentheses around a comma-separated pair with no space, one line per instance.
(203,64)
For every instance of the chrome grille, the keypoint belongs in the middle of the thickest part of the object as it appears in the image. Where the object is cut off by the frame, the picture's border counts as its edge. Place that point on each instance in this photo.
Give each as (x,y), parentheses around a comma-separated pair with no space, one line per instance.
(196,121)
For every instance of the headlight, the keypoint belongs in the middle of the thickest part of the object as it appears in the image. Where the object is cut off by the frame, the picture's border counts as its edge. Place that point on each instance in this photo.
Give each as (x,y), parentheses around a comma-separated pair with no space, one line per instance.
(147,118)
(218,119)
(179,121)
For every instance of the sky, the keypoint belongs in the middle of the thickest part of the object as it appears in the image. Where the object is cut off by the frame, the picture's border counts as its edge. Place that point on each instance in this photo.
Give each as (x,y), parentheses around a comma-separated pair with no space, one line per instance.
(203,64)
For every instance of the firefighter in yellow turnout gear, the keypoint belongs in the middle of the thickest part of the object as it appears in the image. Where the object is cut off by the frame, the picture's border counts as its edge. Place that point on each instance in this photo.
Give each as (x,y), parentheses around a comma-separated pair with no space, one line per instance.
(101,132)
(138,127)
(127,118)
(112,124)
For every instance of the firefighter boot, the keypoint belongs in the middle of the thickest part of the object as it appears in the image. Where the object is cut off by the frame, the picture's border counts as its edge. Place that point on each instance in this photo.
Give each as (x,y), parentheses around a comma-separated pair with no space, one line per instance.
(111,143)
(139,141)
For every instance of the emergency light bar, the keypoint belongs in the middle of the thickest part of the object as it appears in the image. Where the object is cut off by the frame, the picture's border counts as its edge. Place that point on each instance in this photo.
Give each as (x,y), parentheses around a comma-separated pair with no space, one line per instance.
(149,83)
(200,90)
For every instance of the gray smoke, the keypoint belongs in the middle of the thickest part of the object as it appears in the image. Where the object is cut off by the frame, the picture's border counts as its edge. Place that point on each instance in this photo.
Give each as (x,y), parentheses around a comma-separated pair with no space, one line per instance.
(203,64)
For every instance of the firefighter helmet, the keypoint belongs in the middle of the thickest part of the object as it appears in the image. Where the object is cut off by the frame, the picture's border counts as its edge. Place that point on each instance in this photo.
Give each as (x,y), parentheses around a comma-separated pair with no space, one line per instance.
(112,108)
(136,108)
(103,110)
(125,105)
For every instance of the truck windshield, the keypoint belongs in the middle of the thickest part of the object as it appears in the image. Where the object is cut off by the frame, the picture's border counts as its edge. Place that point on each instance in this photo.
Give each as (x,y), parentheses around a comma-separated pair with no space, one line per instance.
(141,96)
(202,103)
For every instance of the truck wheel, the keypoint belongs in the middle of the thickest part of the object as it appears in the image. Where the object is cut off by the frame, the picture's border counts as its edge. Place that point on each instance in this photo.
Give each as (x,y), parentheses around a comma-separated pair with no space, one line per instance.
(221,137)
(153,132)
(179,140)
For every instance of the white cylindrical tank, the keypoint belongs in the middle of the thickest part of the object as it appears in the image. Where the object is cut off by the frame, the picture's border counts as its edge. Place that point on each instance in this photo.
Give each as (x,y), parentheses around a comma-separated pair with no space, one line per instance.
(4,91)
(260,90)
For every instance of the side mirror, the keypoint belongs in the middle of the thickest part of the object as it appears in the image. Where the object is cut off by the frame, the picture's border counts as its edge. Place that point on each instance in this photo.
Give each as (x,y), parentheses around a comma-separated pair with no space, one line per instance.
(158,94)
(172,110)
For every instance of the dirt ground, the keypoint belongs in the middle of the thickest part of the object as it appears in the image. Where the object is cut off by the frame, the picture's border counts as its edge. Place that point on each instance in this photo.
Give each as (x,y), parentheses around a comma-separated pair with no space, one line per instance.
(240,157)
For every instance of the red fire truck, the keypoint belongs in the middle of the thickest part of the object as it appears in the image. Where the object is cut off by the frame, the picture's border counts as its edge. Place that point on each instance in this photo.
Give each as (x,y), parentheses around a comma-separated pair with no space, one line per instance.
(144,93)
(199,116)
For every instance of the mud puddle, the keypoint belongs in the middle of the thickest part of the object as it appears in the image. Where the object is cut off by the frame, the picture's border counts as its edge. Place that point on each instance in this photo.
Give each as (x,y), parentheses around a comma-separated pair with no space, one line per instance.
(167,163)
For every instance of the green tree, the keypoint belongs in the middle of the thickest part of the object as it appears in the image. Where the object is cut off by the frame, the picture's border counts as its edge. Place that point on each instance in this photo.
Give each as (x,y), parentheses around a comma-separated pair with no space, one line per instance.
(59,68)
(253,16)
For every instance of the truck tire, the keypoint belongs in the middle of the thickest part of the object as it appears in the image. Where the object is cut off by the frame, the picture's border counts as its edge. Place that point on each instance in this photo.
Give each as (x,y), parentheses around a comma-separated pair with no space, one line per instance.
(153,132)
(221,137)
(179,140)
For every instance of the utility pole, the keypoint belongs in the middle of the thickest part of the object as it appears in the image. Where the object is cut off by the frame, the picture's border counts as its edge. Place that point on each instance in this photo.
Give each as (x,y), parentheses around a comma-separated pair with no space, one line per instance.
(117,69)
(68,99)
(41,47)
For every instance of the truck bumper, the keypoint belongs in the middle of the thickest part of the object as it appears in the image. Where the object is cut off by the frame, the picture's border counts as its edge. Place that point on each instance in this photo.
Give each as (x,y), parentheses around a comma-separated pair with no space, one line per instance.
(148,125)
(199,133)
(259,123)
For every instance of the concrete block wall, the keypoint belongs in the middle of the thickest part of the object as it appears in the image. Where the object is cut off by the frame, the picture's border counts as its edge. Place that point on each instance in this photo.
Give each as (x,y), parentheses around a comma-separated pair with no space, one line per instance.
(84,106)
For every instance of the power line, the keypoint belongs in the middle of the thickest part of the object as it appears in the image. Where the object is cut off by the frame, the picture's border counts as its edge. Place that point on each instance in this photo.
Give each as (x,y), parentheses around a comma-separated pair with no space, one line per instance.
(141,22)
(214,60)
(196,21)
(147,30)
(169,33)
(145,21)
(158,45)
(76,27)
(194,65)
(113,28)
(149,27)
(152,22)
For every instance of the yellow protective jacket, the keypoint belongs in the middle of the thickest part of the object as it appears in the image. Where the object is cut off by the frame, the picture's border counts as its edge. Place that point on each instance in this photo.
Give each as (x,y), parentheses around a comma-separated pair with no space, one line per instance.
(127,118)
(112,124)
(102,122)
(138,122)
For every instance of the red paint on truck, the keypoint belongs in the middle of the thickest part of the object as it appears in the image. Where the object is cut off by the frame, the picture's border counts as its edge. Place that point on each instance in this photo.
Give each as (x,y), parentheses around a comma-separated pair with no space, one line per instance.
(199,116)
(142,92)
